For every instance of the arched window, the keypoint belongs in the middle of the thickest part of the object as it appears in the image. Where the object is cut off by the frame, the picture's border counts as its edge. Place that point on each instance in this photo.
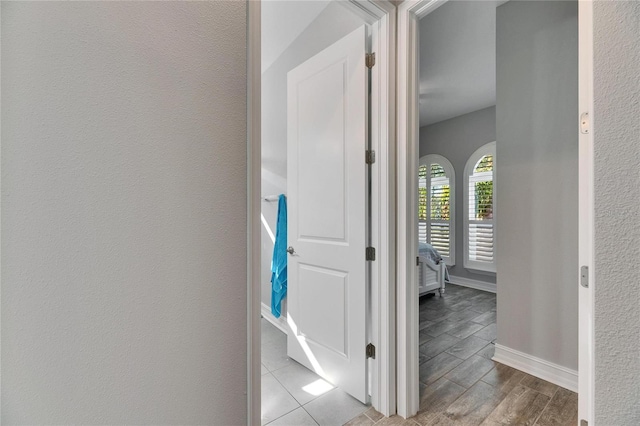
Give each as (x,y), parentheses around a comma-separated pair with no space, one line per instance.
(436,213)
(479,209)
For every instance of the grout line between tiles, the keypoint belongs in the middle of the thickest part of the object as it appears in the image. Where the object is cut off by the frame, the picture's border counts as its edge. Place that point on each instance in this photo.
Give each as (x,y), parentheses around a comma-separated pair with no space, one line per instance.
(460,384)
(312,418)
(459,396)
(280,368)
(546,406)
(486,374)
(365,414)
(285,388)
(320,396)
(288,412)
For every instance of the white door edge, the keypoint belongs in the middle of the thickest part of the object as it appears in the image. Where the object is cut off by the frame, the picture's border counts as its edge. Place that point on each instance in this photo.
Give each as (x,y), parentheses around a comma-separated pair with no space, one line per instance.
(409,12)
(383,132)
(381,14)
(586,339)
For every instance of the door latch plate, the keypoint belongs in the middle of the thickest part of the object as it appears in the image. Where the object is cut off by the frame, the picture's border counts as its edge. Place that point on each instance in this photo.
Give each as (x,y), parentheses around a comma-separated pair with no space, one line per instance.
(584,276)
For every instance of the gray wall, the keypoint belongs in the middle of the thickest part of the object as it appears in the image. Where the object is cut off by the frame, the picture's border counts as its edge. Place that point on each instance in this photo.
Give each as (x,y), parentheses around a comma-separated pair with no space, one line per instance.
(456,139)
(537,179)
(123,213)
(617,218)
(333,23)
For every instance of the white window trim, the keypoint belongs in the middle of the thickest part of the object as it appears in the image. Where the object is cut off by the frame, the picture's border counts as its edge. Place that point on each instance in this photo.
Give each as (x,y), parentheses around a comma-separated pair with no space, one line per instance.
(427,160)
(488,149)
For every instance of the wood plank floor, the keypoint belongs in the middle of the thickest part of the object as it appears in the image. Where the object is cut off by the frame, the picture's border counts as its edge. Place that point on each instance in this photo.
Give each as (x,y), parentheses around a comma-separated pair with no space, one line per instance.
(461,385)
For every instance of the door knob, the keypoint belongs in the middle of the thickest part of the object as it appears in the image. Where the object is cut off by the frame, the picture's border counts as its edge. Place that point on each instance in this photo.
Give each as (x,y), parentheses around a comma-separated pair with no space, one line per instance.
(290,250)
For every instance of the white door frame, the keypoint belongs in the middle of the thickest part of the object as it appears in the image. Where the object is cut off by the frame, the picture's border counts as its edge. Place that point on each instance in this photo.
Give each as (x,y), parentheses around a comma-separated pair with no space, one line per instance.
(409,13)
(586,208)
(381,15)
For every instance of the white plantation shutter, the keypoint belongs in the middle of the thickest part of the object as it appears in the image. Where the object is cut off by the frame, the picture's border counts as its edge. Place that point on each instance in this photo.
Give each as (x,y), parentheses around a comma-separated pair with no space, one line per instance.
(439,199)
(422,202)
(435,205)
(480,210)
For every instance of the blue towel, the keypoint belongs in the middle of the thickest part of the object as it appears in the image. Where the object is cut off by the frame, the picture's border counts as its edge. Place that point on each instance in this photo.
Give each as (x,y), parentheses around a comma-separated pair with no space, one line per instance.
(279,262)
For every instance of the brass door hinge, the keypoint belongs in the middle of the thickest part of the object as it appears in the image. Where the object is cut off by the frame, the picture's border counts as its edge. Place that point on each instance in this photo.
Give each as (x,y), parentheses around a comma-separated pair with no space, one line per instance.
(370,253)
(370,157)
(371,351)
(370,60)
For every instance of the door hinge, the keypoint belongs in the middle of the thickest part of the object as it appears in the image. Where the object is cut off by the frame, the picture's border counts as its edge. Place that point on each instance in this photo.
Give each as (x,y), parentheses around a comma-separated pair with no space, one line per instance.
(584,123)
(371,351)
(584,423)
(370,254)
(370,60)
(584,276)
(370,157)
(417,260)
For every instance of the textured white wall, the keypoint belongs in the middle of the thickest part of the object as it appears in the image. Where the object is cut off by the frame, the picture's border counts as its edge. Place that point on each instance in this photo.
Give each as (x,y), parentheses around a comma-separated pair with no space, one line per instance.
(617,217)
(123,213)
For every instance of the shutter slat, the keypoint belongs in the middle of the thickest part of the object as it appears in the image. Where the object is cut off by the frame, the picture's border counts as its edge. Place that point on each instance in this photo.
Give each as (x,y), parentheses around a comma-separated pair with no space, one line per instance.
(481,242)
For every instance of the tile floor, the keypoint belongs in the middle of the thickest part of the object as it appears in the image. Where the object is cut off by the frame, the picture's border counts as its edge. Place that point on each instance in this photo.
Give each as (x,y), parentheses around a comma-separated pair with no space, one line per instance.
(459,384)
(292,395)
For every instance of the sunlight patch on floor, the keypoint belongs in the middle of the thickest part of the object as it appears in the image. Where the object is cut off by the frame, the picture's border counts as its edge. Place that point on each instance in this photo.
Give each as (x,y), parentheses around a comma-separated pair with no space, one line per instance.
(317,388)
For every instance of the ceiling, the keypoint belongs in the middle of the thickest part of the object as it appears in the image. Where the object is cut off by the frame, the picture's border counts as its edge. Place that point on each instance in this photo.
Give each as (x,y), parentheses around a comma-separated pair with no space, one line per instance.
(457,51)
(457,60)
(282,22)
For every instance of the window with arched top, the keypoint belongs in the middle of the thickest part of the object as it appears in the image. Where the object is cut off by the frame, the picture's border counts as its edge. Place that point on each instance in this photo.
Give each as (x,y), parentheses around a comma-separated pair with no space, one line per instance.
(436,199)
(479,210)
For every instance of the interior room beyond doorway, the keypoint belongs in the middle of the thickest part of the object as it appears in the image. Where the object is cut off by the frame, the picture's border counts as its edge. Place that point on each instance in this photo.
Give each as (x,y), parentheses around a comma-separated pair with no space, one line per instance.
(497,132)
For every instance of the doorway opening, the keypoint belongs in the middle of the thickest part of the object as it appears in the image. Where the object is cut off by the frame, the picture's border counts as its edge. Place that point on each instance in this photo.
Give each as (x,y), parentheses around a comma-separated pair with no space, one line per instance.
(306,329)
(314,353)
(491,128)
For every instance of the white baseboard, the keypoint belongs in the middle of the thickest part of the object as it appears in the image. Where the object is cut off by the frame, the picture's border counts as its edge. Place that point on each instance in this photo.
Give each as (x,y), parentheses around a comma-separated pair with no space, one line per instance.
(478,285)
(280,323)
(540,368)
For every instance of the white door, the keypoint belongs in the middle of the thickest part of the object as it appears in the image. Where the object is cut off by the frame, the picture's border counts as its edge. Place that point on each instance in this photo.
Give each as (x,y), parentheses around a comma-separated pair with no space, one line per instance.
(327,214)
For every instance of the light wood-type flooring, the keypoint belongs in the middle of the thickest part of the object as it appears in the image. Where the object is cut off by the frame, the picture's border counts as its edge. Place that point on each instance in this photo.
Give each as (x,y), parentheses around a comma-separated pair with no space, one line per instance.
(461,385)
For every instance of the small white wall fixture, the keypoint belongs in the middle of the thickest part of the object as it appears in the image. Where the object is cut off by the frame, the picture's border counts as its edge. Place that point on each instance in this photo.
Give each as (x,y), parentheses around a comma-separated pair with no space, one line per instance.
(409,13)
(381,16)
